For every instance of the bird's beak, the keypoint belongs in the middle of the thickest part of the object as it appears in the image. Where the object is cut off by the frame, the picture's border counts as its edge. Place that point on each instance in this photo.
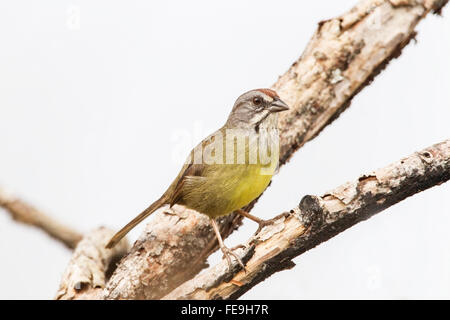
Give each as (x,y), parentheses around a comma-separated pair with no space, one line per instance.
(277,105)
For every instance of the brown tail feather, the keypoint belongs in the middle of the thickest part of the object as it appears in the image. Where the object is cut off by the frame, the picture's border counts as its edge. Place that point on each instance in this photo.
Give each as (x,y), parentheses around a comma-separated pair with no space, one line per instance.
(144,214)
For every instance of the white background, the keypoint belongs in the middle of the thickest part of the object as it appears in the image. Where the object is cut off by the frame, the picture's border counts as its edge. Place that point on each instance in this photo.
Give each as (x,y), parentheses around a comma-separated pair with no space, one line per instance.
(95,95)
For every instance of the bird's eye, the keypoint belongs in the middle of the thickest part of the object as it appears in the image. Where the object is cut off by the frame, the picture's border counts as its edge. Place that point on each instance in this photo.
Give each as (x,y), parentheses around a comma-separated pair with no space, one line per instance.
(257,101)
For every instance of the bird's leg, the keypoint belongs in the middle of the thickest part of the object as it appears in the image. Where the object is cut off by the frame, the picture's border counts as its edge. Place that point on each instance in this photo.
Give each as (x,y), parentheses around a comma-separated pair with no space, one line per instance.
(226,251)
(262,223)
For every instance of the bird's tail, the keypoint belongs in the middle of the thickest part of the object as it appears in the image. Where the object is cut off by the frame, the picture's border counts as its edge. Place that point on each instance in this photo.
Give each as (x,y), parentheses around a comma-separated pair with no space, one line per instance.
(144,214)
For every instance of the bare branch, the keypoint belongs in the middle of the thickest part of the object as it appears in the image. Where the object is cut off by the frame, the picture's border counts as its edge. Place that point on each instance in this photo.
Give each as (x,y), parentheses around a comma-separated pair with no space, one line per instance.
(318,219)
(343,57)
(23,212)
(85,275)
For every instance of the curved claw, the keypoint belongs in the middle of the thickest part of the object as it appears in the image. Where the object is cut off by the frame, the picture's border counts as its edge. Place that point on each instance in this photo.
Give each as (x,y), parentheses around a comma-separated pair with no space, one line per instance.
(239,246)
(227,252)
(264,223)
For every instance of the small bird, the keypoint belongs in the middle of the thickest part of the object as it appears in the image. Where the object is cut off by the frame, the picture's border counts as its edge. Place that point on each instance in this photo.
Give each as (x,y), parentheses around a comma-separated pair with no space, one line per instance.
(228,169)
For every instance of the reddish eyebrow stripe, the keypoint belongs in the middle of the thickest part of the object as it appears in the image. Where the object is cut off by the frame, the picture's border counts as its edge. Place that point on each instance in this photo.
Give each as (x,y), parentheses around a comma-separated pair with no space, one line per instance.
(269,92)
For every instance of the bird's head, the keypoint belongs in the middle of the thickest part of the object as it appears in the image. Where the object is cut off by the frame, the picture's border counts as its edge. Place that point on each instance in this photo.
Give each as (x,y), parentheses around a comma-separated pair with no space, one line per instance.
(254,107)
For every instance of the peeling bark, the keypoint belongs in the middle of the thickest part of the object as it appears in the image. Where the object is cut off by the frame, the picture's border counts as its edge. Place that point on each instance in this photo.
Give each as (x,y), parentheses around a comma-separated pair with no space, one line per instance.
(343,57)
(317,219)
(85,276)
(23,212)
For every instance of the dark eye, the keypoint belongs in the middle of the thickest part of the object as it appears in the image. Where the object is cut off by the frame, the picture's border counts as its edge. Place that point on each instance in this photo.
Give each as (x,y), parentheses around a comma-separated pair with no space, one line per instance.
(257,101)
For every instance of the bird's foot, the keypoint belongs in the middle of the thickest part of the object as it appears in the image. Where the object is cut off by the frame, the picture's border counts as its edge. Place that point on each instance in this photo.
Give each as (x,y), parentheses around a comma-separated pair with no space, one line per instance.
(239,246)
(227,252)
(264,223)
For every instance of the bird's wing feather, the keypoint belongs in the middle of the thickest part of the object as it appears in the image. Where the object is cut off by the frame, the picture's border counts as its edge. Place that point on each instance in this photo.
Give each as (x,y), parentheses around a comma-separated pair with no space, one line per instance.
(190,173)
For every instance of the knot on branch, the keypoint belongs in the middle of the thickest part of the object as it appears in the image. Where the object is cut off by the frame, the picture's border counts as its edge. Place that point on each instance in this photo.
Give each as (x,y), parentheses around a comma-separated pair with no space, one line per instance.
(312,213)
(85,276)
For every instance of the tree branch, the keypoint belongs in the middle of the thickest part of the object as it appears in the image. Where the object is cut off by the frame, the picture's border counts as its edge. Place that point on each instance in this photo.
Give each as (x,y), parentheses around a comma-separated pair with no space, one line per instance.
(317,219)
(86,274)
(343,57)
(23,212)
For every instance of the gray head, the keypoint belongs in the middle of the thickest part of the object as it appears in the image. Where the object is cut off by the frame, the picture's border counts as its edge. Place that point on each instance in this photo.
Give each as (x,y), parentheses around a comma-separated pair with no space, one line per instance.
(254,107)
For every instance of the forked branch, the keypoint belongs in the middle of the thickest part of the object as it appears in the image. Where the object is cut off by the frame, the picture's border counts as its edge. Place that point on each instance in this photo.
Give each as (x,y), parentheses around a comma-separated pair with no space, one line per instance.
(343,56)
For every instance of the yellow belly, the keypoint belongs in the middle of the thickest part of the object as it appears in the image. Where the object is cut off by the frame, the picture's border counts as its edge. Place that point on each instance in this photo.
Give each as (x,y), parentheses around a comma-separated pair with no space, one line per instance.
(229,188)
(224,188)
(250,187)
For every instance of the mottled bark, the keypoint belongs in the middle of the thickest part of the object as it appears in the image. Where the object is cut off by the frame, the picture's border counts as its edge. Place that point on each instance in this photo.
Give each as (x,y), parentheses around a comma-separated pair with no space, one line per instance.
(344,56)
(86,274)
(317,219)
(23,212)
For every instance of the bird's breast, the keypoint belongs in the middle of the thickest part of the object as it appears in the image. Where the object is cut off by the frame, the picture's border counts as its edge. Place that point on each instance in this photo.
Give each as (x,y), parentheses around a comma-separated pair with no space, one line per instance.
(230,185)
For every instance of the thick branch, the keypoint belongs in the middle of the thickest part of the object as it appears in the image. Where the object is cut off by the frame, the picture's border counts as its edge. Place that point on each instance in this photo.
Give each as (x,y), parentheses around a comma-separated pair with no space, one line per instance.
(85,275)
(25,213)
(343,56)
(318,219)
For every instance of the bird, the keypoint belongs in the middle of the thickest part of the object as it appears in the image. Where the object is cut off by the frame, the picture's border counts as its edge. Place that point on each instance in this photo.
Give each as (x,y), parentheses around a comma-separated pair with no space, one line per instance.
(229,168)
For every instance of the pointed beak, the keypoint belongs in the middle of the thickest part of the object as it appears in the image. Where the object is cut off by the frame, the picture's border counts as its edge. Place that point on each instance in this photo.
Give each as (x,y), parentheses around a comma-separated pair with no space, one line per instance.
(277,106)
